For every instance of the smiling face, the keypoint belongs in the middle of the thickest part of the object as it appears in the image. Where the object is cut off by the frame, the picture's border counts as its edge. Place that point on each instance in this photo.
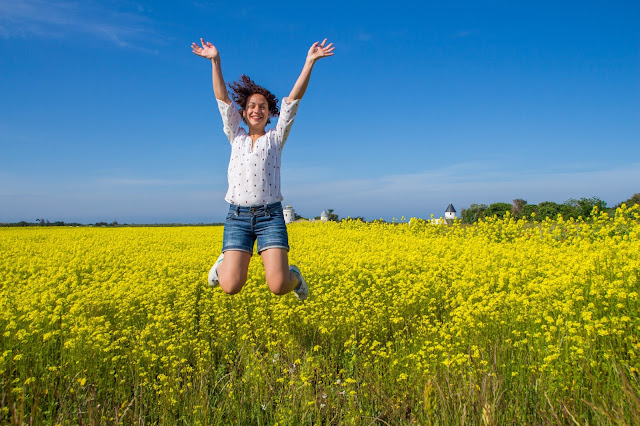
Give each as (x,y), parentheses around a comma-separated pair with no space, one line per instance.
(256,112)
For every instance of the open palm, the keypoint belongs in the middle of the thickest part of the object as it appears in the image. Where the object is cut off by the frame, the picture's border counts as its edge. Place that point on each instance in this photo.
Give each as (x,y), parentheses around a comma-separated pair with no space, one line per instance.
(319,50)
(208,50)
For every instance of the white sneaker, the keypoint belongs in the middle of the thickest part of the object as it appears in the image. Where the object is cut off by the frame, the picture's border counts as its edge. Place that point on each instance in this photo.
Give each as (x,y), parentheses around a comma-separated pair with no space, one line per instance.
(302,290)
(213,272)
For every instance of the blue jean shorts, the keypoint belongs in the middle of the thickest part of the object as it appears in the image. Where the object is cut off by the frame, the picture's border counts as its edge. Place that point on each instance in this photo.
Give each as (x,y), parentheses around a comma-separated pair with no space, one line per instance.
(246,224)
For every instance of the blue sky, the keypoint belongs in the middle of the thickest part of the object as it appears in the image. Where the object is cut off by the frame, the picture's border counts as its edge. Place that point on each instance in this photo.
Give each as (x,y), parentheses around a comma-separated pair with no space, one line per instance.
(107,115)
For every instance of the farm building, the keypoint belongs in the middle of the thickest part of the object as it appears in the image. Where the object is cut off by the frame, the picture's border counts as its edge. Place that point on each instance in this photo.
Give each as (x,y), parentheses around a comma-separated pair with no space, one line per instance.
(289,214)
(449,216)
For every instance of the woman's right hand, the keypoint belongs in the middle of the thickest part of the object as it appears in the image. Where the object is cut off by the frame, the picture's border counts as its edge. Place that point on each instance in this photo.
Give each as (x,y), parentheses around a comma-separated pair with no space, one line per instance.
(207,50)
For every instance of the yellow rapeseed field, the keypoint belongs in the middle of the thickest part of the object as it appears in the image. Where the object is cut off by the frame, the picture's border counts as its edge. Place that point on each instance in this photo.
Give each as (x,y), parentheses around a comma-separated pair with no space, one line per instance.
(500,322)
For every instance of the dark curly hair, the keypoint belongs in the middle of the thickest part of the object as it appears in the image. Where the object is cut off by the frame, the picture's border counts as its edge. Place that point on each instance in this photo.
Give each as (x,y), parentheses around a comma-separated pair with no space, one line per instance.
(242,90)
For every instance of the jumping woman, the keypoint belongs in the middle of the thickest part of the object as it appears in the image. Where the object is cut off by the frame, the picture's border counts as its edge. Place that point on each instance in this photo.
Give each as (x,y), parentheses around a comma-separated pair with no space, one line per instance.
(255,210)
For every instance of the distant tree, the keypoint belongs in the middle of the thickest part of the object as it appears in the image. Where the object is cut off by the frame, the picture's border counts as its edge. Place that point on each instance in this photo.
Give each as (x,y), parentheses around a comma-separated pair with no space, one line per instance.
(528,209)
(568,210)
(298,217)
(571,208)
(497,209)
(473,213)
(548,209)
(635,199)
(583,206)
(517,207)
(332,216)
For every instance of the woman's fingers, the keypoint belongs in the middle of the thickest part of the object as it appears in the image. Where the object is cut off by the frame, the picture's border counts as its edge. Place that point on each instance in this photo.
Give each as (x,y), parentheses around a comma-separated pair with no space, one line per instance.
(325,49)
(319,50)
(206,49)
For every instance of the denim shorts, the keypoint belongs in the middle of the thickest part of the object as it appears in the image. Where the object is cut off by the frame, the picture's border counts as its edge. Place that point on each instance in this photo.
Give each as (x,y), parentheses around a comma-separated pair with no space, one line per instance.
(246,224)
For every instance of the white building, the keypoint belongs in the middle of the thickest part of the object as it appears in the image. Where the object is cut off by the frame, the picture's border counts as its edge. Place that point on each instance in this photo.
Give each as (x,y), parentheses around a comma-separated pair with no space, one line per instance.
(289,214)
(449,216)
(450,212)
(324,216)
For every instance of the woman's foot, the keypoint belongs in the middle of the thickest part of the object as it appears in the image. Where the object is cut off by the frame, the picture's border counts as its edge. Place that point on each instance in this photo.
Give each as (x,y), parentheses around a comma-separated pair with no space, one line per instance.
(302,290)
(213,272)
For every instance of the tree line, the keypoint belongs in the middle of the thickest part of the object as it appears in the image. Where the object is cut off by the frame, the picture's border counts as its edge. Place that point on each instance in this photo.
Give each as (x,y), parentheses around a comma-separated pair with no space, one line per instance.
(519,208)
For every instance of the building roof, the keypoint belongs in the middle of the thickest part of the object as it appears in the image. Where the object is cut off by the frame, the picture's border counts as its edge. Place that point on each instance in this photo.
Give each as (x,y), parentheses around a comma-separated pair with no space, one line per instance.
(450,209)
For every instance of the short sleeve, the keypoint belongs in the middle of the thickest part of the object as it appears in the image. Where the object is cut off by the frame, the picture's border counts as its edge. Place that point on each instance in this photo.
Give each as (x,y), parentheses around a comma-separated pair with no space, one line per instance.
(231,119)
(288,112)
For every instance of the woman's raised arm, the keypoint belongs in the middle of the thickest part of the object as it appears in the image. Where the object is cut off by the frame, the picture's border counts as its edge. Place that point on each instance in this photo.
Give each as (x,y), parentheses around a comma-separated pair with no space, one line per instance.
(317,51)
(210,52)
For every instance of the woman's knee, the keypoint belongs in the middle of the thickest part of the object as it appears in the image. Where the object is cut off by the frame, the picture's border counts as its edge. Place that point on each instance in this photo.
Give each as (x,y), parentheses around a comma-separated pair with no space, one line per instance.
(232,285)
(278,289)
(231,282)
(278,284)
(233,272)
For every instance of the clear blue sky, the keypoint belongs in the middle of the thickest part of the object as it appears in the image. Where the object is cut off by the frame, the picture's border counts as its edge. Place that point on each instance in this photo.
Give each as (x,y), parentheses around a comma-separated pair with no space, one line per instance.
(106,114)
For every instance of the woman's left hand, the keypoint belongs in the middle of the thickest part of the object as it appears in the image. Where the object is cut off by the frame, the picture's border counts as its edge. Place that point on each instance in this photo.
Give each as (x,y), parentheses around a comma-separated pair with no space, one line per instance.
(316,51)
(319,50)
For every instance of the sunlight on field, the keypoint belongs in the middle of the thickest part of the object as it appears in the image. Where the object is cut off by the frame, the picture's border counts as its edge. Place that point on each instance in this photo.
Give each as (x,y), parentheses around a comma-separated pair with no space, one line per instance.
(501,322)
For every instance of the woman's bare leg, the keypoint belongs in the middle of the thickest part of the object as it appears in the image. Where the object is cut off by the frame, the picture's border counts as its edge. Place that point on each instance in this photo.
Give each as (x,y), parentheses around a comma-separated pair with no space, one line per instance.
(232,272)
(276,268)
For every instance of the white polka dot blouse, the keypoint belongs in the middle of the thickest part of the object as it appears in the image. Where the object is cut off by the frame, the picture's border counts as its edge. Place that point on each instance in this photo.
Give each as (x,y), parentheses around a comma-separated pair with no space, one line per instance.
(254,174)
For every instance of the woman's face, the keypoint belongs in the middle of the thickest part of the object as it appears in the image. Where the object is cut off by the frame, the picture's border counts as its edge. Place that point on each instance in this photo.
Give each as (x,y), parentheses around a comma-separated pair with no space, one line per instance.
(257,111)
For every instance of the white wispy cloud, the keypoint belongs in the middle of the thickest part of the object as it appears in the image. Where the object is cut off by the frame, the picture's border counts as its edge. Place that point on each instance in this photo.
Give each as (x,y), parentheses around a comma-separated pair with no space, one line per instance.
(58,19)
(462,34)
(364,36)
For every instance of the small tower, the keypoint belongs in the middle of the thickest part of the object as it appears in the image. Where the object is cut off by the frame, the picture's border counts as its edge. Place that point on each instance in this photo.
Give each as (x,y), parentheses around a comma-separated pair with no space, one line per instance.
(289,214)
(450,214)
(324,216)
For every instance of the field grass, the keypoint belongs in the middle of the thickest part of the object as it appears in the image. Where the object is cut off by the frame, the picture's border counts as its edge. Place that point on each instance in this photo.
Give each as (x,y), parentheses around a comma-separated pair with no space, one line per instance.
(501,322)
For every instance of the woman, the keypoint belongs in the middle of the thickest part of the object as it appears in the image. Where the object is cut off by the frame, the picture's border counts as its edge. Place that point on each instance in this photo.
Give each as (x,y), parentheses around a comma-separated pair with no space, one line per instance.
(255,210)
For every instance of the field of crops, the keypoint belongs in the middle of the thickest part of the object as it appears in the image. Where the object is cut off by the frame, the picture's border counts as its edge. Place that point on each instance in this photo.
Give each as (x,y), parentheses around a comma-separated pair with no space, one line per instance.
(501,322)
